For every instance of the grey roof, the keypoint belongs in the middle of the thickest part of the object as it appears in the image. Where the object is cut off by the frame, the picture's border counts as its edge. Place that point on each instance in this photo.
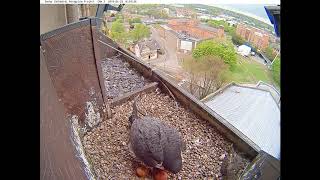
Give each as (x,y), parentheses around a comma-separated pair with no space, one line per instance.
(183,36)
(208,28)
(187,37)
(251,110)
(274,92)
(152,44)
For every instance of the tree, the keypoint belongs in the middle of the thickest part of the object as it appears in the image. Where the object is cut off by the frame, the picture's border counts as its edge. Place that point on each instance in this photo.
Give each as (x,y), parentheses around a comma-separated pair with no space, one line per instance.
(237,40)
(119,18)
(276,70)
(222,49)
(163,15)
(269,53)
(216,23)
(118,32)
(139,32)
(206,74)
(134,20)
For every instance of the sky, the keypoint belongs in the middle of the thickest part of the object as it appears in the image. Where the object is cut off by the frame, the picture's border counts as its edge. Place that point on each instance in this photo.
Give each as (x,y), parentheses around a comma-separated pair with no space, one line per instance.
(256,11)
(209,1)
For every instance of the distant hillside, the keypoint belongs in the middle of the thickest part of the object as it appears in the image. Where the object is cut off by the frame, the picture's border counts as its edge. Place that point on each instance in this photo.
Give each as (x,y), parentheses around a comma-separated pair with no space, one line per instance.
(218,11)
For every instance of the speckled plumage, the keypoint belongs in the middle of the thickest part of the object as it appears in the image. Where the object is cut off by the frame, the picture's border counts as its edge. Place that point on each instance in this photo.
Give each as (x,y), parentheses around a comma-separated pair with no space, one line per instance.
(155,143)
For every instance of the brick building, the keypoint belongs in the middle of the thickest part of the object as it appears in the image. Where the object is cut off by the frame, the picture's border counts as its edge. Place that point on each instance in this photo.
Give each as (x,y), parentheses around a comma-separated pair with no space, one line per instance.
(253,35)
(184,34)
(195,29)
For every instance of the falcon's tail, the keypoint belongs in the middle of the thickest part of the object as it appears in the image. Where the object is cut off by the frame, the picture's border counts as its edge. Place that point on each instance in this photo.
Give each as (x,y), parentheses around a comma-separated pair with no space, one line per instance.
(135,109)
(134,114)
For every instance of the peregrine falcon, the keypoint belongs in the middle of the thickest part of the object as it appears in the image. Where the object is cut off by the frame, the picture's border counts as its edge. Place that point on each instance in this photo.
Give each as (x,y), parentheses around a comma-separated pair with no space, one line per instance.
(155,143)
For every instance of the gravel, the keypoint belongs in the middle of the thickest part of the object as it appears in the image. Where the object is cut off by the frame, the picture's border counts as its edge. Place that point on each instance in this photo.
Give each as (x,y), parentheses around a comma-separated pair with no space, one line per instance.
(120,78)
(107,150)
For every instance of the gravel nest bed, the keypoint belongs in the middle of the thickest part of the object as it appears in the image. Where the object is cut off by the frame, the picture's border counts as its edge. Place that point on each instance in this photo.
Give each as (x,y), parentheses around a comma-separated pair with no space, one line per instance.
(120,78)
(107,150)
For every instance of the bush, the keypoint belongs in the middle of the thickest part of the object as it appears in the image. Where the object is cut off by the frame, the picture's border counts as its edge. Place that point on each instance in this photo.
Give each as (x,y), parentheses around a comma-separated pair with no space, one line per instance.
(206,74)
(216,24)
(221,49)
(237,40)
(276,70)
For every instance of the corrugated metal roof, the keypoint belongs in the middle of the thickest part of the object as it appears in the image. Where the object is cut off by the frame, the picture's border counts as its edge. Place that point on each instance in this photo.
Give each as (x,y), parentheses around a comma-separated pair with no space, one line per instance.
(252,111)
(274,92)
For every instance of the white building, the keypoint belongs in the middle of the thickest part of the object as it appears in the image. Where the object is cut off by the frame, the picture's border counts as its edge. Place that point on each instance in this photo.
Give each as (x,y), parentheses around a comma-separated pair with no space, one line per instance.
(244,50)
(204,16)
(253,110)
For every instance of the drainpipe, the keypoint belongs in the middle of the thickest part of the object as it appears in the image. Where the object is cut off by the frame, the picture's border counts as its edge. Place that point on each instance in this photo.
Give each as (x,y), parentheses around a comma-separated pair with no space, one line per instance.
(72,13)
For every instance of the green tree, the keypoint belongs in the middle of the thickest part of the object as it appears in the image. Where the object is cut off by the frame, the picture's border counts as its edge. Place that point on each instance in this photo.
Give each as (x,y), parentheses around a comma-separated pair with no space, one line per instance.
(269,53)
(237,39)
(276,70)
(134,20)
(216,23)
(118,32)
(139,32)
(206,74)
(222,49)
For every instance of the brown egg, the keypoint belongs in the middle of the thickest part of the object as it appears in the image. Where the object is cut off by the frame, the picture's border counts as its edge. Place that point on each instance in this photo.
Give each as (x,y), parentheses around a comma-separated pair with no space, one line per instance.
(160,175)
(142,171)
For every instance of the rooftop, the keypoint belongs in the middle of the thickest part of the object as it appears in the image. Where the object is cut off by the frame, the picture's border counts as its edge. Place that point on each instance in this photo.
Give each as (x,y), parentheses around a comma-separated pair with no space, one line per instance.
(152,44)
(184,36)
(274,92)
(253,111)
(208,28)
(165,27)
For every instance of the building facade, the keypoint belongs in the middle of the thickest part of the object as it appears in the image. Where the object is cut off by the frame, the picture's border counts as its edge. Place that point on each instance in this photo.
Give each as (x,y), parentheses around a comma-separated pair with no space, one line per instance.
(57,15)
(183,34)
(195,29)
(255,36)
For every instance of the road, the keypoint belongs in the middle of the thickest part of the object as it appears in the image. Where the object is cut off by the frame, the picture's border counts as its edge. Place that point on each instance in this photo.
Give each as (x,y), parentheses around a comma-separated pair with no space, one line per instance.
(169,60)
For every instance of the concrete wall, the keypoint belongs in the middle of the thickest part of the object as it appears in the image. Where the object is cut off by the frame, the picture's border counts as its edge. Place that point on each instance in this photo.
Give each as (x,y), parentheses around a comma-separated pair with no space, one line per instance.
(55,16)
(52,17)
(58,158)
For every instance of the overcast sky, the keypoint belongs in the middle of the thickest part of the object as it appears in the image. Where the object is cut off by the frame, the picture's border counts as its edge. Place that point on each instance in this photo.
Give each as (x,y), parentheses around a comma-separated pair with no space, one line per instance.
(210,1)
(256,11)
